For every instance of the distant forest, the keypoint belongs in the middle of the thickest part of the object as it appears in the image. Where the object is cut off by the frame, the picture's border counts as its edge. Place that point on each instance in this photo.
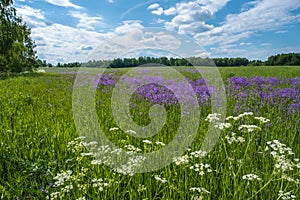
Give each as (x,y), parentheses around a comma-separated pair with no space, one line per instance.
(291,59)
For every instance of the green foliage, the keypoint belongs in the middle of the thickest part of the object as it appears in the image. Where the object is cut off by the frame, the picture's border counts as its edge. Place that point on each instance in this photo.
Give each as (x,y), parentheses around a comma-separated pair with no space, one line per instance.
(16,47)
(291,59)
(38,146)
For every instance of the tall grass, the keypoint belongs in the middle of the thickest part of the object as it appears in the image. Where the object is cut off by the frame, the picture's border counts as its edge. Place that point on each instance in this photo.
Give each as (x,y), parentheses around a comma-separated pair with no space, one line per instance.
(42,157)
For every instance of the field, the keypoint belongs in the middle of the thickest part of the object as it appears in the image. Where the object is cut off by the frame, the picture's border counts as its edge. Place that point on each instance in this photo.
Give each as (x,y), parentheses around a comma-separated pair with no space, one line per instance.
(256,156)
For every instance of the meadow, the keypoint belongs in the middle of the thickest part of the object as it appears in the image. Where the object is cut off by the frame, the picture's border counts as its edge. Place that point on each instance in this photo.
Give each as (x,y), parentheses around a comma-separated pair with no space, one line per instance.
(42,156)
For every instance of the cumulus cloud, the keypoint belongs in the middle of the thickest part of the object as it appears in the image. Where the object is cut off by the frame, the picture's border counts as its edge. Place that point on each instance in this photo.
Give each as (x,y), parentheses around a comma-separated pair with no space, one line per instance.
(265,15)
(153,6)
(64,3)
(65,44)
(33,17)
(129,25)
(159,11)
(87,22)
(190,18)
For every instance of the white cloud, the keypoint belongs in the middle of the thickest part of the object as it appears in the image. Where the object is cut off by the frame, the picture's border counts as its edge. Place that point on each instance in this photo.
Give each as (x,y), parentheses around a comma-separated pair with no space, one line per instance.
(87,22)
(265,15)
(190,18)
(245,43)
(85,47)
(153,6)
(65,44)
(280,32)
(64,3)
(33,17)
(129,26)
(170,11)
(159,11)
(110,1)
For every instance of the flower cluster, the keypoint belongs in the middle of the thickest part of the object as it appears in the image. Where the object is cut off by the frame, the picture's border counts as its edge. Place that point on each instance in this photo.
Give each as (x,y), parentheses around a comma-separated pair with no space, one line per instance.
(199,190)
(286,196)
(201,168)
(160,179)
(251,177)
(131,166)
(98,183)
(280,152)
(233,138)
(182,160)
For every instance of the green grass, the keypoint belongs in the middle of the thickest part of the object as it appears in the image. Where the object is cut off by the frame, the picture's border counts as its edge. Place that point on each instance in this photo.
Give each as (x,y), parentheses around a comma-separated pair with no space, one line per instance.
(38,143)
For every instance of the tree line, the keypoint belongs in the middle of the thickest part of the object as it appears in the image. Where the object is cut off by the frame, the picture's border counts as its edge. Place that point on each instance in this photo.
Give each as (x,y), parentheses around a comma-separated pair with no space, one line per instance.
(291,59)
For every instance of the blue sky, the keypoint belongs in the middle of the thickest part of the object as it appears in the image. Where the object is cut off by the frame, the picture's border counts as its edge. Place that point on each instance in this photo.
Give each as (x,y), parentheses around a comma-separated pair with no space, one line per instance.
(70,30)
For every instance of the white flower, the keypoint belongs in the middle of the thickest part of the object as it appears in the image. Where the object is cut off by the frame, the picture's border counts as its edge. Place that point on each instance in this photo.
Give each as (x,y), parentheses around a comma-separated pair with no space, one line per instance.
(114,129)
(54,195)
(86,154)
(262,119)
(163,180)
(200,190)
(250,128)
(233,139)
(287,195)
(160,143)
(251,177)
(221,126)
(181,160)
(62,177)
(213,117)
(133,148)
(201,168)
(67,189)
(98,183)
(147,141)
(130,167)
(131,132)
(198,154)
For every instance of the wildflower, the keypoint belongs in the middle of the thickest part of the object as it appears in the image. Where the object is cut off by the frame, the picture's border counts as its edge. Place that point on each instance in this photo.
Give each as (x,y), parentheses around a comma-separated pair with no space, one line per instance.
(199,190)
(62,177)
(160,143)
(130,167)
(114,129)
(81,198)
(234,139)
(86,154)
(147,141)
(67,189)
(163,180)
(250,128)
(262,119)
(201,168)
(131,132)
(181,160)
(213,117)
(54,195)
(132,148)
(98,183)
(251,177)
(287,195)
(221,126)
(96,162)
(198,154)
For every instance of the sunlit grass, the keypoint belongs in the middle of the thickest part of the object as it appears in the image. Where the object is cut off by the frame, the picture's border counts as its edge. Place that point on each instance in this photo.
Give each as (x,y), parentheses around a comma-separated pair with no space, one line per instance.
(42,157)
